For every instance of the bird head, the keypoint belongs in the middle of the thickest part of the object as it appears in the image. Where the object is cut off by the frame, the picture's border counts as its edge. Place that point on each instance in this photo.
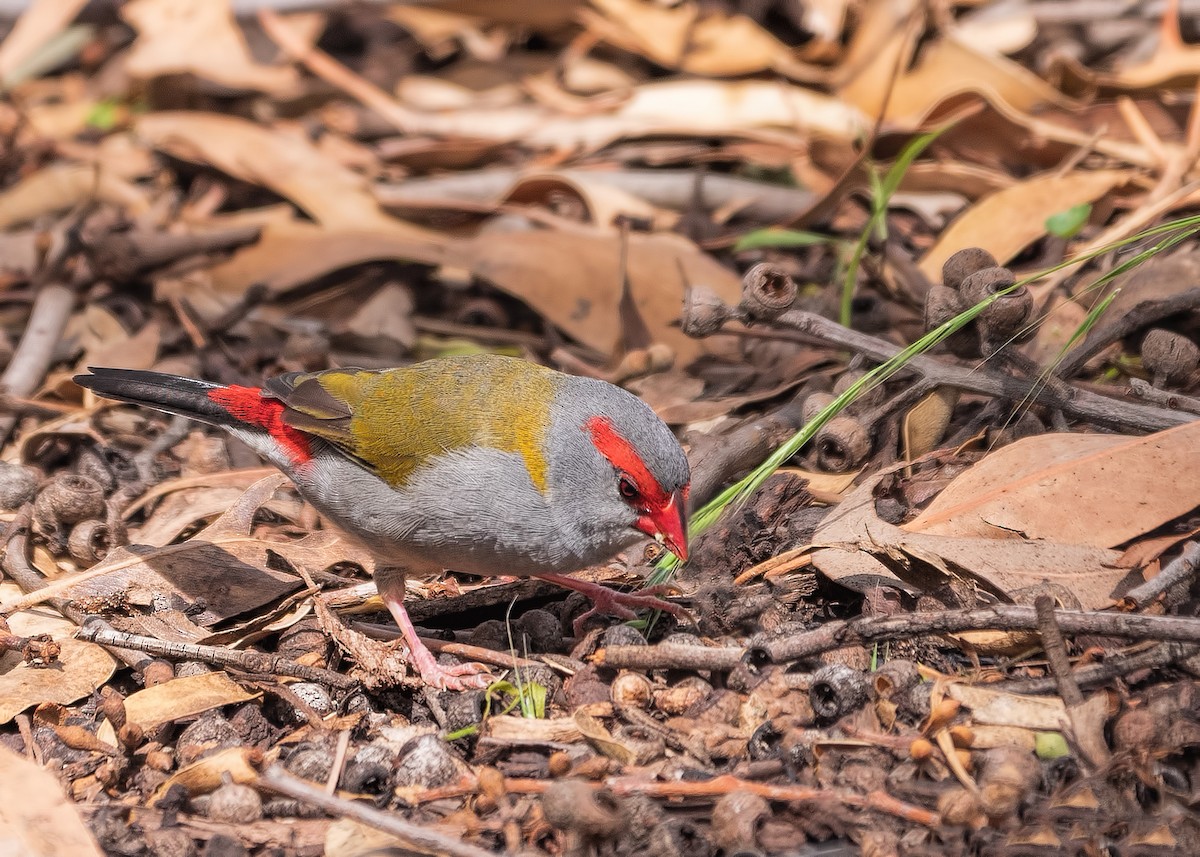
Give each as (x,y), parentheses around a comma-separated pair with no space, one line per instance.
(623,469)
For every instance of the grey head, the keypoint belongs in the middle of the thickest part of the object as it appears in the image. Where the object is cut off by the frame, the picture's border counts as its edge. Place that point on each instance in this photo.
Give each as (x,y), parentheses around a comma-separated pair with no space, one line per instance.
(616,473)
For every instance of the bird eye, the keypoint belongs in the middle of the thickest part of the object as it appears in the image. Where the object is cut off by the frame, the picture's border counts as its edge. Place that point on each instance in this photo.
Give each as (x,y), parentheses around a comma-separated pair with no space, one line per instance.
(627,489)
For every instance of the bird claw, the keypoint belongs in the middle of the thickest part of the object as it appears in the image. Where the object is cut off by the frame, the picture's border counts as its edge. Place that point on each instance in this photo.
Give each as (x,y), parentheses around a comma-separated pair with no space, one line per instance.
(625,605)
(468,676)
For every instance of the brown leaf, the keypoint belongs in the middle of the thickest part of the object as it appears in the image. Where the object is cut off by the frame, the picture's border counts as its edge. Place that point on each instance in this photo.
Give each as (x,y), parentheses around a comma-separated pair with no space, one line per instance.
(573,278)
(852,532)
(1097,490)
(80,669)
(177,699)
(1005,222)
(36,817)
(223,566)
(199,37)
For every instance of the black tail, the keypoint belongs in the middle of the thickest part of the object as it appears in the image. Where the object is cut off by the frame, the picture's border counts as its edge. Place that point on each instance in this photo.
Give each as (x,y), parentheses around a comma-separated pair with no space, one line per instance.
(170,393)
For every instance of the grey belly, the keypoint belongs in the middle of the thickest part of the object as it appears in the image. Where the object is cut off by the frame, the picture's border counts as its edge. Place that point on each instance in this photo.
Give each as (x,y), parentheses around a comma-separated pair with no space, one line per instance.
(469,512)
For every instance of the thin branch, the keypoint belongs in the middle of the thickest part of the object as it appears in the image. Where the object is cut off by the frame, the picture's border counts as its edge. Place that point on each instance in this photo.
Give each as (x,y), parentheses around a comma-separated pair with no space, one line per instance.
(423,838)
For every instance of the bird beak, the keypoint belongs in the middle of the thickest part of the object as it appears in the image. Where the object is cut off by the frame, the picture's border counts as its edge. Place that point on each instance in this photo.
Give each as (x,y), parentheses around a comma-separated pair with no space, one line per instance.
(668,525)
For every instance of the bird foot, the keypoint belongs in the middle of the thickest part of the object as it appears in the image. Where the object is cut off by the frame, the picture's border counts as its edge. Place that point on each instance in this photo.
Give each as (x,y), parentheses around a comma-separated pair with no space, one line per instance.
(468,676)
(611,602)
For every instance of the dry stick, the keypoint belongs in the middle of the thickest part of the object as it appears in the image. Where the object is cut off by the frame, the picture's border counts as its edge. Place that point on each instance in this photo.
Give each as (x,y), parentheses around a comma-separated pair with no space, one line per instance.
(1115,666)
(31,361)
(96,630)
(423,838)
(1055,648)
(1084,405)
(1181,569)
(669,656)
(1175,401)
(726,783)
(1143,315)
(1002,617)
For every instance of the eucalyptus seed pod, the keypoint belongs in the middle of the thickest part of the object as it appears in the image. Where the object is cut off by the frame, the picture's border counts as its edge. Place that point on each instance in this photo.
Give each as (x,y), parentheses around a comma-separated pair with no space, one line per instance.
(1171,357)
(703,311)
(868,398)
(836,691)
(234,803)
(767,292)
(91,464)
(842,444)
(814,403)
(631,690)
(963,264)
(1009,314)
(18,484)
(941,305)
(736,819)
(89,541)
(69,499)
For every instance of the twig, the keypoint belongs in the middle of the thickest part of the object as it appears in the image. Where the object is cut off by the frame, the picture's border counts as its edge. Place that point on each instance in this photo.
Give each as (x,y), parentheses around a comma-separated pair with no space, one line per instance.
(438,647)
(1115,666)
(1179,570)
(1055,648)
(35,352)
(1142,315)
(426,840)
(95,630)
(669,656)
(1002,617)
(1082,404)
(726,783)
(1175,401)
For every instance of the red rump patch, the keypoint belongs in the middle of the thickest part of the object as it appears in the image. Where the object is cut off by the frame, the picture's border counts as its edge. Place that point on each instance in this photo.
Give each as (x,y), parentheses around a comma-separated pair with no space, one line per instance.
(623,456)
(250,406)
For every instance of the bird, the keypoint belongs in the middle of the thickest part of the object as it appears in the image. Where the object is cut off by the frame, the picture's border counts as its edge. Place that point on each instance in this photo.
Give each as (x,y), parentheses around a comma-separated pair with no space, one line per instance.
(484,464)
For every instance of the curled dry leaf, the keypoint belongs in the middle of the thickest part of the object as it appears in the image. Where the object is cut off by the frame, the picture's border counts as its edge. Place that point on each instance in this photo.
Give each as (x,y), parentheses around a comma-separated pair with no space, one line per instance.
(63,186)
(573,278)
(852,535)
(207,774)
(36,817)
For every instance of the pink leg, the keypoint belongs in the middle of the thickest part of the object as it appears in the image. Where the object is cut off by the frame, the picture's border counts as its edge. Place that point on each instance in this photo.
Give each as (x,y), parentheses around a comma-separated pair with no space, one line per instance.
(610,602)
(469,676)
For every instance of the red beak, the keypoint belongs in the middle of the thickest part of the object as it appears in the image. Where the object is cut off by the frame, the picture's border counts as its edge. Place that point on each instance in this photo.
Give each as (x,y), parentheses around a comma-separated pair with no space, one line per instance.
(668,524)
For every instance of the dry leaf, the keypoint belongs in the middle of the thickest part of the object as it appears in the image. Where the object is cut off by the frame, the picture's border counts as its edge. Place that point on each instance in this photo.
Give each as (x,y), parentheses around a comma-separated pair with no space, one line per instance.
(1097,490)
(36,817)
(600,204)
(63,186)
(222,566)
(999,708)
(177,699)
(926,422)
(852,534)
(199,37)
(1005,222)
(573,278)
(285,163)
(207,774)
(41,21)
(80,669)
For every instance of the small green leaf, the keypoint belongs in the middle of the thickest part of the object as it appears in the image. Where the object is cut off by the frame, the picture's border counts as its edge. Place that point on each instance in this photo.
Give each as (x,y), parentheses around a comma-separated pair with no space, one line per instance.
(1066,224)
(775,236)
(1050,745)
(104,115)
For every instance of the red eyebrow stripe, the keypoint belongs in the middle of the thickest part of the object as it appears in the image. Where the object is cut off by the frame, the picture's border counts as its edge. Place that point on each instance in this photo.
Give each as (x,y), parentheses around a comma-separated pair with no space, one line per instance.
(248,405)
(622,455)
